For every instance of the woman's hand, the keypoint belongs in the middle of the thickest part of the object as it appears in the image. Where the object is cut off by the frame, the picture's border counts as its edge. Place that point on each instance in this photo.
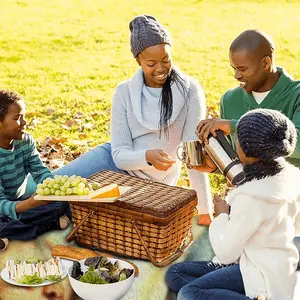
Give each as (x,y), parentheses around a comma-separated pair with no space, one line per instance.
(205,127)
(159,159)
(220,206)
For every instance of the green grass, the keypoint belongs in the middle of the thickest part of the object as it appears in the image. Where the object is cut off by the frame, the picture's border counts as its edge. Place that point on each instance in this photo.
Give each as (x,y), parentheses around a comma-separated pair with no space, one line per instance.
(68,55)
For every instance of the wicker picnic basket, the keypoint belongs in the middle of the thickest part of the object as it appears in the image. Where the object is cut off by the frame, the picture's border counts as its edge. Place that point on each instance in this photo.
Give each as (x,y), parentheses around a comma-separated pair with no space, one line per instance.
(151,221)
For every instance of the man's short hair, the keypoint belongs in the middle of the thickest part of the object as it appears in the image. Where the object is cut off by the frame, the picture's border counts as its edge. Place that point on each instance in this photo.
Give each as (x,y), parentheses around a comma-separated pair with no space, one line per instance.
(254,41)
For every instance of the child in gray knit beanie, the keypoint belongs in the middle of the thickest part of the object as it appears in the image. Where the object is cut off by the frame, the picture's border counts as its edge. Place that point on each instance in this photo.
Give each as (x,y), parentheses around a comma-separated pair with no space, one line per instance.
(265,137)
(253,231)
(266,134)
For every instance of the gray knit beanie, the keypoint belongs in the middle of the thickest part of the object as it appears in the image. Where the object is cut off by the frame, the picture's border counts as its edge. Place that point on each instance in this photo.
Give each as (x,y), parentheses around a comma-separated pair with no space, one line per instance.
(146,32)
(266,134)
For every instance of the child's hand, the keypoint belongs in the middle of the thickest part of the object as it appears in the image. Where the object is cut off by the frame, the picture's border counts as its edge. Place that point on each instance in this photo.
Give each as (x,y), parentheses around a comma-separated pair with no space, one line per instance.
(220,206)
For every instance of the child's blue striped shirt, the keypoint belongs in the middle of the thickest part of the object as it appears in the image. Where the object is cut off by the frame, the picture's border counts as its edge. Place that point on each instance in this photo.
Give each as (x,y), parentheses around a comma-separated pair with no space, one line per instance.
(15,165)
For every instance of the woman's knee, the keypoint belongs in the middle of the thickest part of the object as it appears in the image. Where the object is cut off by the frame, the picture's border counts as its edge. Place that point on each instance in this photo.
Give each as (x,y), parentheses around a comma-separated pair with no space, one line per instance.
(89,163)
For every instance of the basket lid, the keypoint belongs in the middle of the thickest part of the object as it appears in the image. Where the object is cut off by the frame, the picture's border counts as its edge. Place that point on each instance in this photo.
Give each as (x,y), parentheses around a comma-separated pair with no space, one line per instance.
(146,196)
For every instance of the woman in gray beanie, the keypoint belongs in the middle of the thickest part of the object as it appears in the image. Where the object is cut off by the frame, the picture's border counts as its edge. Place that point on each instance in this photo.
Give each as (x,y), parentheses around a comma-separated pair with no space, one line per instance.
(152,114)
(252,235)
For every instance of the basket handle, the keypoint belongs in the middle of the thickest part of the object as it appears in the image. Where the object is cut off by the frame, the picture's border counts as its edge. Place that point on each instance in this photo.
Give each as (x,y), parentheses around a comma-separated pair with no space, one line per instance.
(169,259)
(71,236)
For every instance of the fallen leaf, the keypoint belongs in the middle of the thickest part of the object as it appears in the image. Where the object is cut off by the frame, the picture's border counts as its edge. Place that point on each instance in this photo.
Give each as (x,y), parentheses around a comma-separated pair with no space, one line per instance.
(70,123)
(83,135)
(56,163)
(78,115)
(50,111)
(59,140)
(33,123)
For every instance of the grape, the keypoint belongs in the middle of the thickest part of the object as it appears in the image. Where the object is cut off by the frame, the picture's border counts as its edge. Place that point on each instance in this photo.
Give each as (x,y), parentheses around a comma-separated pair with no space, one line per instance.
(69,191)
(74,183)
(47,180)
(79,191)
(95,186)
(57,178)
(50,185)
(64,185)
(46,191)
(81,185)
(67,184)
(66,177)
(84,180)
(56,186)
(40,191)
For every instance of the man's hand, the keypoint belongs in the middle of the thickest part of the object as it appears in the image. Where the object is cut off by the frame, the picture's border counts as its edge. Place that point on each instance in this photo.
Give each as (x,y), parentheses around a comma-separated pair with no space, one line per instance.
(220,206)
(207,166)
(159,159)
(205,127)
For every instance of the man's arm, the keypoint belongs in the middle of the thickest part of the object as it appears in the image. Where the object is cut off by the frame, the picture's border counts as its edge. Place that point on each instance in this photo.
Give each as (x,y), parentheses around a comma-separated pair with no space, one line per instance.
(296,121)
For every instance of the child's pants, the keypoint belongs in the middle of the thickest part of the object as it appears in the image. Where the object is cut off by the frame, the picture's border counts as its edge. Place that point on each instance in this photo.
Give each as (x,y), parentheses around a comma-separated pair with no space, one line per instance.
(206,281)
(33,222)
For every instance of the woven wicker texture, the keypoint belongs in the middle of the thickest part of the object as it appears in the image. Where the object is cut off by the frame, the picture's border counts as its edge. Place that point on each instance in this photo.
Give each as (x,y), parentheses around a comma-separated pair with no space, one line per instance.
(162,216)
(147,196)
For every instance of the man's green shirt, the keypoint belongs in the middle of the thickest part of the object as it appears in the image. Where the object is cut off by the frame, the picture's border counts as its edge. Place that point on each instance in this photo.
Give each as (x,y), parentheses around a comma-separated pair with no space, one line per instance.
(284,96)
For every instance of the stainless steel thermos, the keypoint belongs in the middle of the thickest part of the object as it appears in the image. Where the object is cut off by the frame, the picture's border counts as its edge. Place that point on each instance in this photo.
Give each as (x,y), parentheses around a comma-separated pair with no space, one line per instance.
(226,159)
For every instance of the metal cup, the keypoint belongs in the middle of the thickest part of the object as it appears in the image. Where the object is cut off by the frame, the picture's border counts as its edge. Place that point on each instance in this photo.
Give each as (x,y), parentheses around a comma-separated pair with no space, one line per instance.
(193,153)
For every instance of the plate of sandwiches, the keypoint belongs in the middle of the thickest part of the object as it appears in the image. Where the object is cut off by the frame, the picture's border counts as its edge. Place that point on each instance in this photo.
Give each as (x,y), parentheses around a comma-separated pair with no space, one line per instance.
(34,273)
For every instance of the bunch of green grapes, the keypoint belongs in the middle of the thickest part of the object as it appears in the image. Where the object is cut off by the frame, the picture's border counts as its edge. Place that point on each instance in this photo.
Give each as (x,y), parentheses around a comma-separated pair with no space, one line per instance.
(64,186)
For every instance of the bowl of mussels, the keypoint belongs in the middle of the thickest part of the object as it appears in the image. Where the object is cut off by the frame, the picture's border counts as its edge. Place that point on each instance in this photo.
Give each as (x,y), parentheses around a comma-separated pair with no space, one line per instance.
(101,278)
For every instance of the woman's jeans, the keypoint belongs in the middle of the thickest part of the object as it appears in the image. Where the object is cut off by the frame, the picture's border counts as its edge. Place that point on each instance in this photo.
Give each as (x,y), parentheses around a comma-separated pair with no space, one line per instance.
(206,281)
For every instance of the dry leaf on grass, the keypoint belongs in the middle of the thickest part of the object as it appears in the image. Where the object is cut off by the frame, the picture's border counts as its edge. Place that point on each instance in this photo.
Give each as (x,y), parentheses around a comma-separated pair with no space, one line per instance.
(55,153)
(50,111)
(78,115)
(33,123)
(83,136)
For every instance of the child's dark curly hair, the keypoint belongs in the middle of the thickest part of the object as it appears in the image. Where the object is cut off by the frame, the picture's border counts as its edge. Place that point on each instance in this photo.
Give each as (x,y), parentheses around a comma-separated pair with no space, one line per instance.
(6,99)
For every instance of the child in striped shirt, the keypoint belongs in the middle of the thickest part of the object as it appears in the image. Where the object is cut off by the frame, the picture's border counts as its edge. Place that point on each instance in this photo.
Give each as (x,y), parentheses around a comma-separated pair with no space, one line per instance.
(22,217)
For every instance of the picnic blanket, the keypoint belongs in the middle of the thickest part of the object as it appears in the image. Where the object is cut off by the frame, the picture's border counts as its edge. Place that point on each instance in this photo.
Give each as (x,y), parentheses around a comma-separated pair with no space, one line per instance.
(149,285)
